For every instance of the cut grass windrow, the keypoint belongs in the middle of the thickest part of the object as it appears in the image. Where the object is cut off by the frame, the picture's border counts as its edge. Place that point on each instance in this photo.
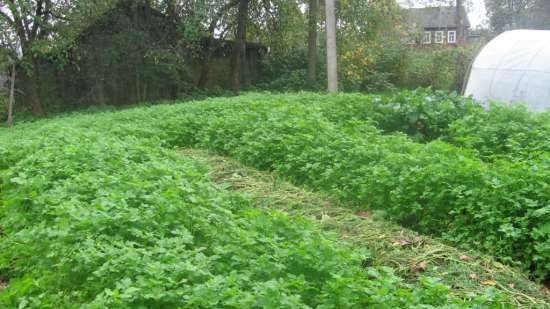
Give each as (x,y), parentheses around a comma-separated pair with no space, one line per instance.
(412,255)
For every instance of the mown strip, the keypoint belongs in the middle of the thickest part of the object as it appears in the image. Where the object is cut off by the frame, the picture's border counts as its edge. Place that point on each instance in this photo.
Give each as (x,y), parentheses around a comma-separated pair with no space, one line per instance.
(387,244)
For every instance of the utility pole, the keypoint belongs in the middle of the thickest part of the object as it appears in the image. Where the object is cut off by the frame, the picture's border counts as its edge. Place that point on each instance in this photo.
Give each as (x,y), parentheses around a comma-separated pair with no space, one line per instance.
(459,22)
(332,65)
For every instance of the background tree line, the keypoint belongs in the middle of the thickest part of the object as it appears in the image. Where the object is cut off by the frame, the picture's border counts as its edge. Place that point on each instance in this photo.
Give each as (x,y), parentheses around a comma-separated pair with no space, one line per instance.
(73,54)
(518,14)
(47,40)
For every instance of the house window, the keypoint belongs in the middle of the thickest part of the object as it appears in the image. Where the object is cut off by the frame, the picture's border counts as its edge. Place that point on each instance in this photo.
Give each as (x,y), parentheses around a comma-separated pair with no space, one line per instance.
(451,36)
(427,38)
(439,37)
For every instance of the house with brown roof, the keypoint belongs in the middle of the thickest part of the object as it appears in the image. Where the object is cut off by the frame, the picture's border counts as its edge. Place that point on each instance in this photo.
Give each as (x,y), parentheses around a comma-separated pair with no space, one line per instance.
(432,26)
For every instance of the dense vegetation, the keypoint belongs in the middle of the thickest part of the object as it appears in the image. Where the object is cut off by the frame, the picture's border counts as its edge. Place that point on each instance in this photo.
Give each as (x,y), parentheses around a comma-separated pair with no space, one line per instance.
(85,53)
(98,212)
(497,205)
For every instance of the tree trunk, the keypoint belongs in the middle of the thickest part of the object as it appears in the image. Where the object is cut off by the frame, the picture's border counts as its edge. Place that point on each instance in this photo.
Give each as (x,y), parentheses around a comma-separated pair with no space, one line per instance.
(312,42)
(332,62)
(12,97)
(171,10)
(36,105)
(239,49)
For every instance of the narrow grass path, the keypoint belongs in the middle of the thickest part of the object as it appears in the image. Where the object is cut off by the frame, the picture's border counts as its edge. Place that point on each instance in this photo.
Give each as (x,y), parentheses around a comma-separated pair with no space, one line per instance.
(388,244)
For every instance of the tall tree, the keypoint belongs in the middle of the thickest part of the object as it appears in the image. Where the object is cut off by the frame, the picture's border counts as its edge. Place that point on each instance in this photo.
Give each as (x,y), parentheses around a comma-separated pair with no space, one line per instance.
(31,22)
(540,15)
(332,62)
(312,42)
(516,14)
(201,25)
(8,62)
(37,25)
(239,48)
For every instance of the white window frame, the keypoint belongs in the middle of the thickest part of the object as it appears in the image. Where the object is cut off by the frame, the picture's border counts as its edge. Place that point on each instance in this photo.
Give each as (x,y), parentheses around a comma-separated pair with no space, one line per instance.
(453,37)
(439,37)
(427,38)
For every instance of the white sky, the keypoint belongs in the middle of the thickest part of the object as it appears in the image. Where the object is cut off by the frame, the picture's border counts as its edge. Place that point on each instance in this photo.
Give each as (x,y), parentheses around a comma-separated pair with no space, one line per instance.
(476,8)
(477,13)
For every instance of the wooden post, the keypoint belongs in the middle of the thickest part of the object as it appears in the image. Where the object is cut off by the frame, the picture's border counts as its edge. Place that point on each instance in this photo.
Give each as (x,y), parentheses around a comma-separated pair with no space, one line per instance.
(332,62)
(12,96)
(459,23)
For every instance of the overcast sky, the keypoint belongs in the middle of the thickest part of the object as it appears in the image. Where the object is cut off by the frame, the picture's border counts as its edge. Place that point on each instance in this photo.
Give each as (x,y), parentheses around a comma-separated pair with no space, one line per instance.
(478,14)
(476,8)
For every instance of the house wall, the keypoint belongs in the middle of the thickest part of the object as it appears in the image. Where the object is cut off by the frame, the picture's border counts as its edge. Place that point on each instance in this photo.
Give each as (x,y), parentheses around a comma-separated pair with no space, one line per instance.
(419,41)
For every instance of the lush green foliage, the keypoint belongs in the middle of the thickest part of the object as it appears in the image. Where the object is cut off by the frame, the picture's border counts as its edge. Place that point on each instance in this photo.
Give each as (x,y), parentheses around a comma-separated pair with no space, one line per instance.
(498,207)
(98,212)
(374,62)
(440,68)
(422,114)
(370,49)
(435,188)
(510,132)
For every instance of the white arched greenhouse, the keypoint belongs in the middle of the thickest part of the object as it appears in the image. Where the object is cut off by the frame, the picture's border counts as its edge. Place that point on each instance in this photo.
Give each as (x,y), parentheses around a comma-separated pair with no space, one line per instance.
(513,68)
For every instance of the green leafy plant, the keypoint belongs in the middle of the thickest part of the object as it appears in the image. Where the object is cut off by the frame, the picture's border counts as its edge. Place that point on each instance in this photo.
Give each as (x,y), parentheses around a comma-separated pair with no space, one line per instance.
(511,132)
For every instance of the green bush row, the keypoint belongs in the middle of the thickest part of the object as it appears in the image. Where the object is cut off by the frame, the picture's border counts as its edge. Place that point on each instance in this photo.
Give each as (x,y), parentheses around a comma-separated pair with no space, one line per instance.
(500,132)
(96,221)
(96,212)
(503,132)
(422,114)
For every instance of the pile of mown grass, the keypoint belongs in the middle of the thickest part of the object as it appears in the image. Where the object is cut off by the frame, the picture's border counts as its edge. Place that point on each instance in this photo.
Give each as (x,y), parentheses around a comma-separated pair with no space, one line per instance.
(411,255)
